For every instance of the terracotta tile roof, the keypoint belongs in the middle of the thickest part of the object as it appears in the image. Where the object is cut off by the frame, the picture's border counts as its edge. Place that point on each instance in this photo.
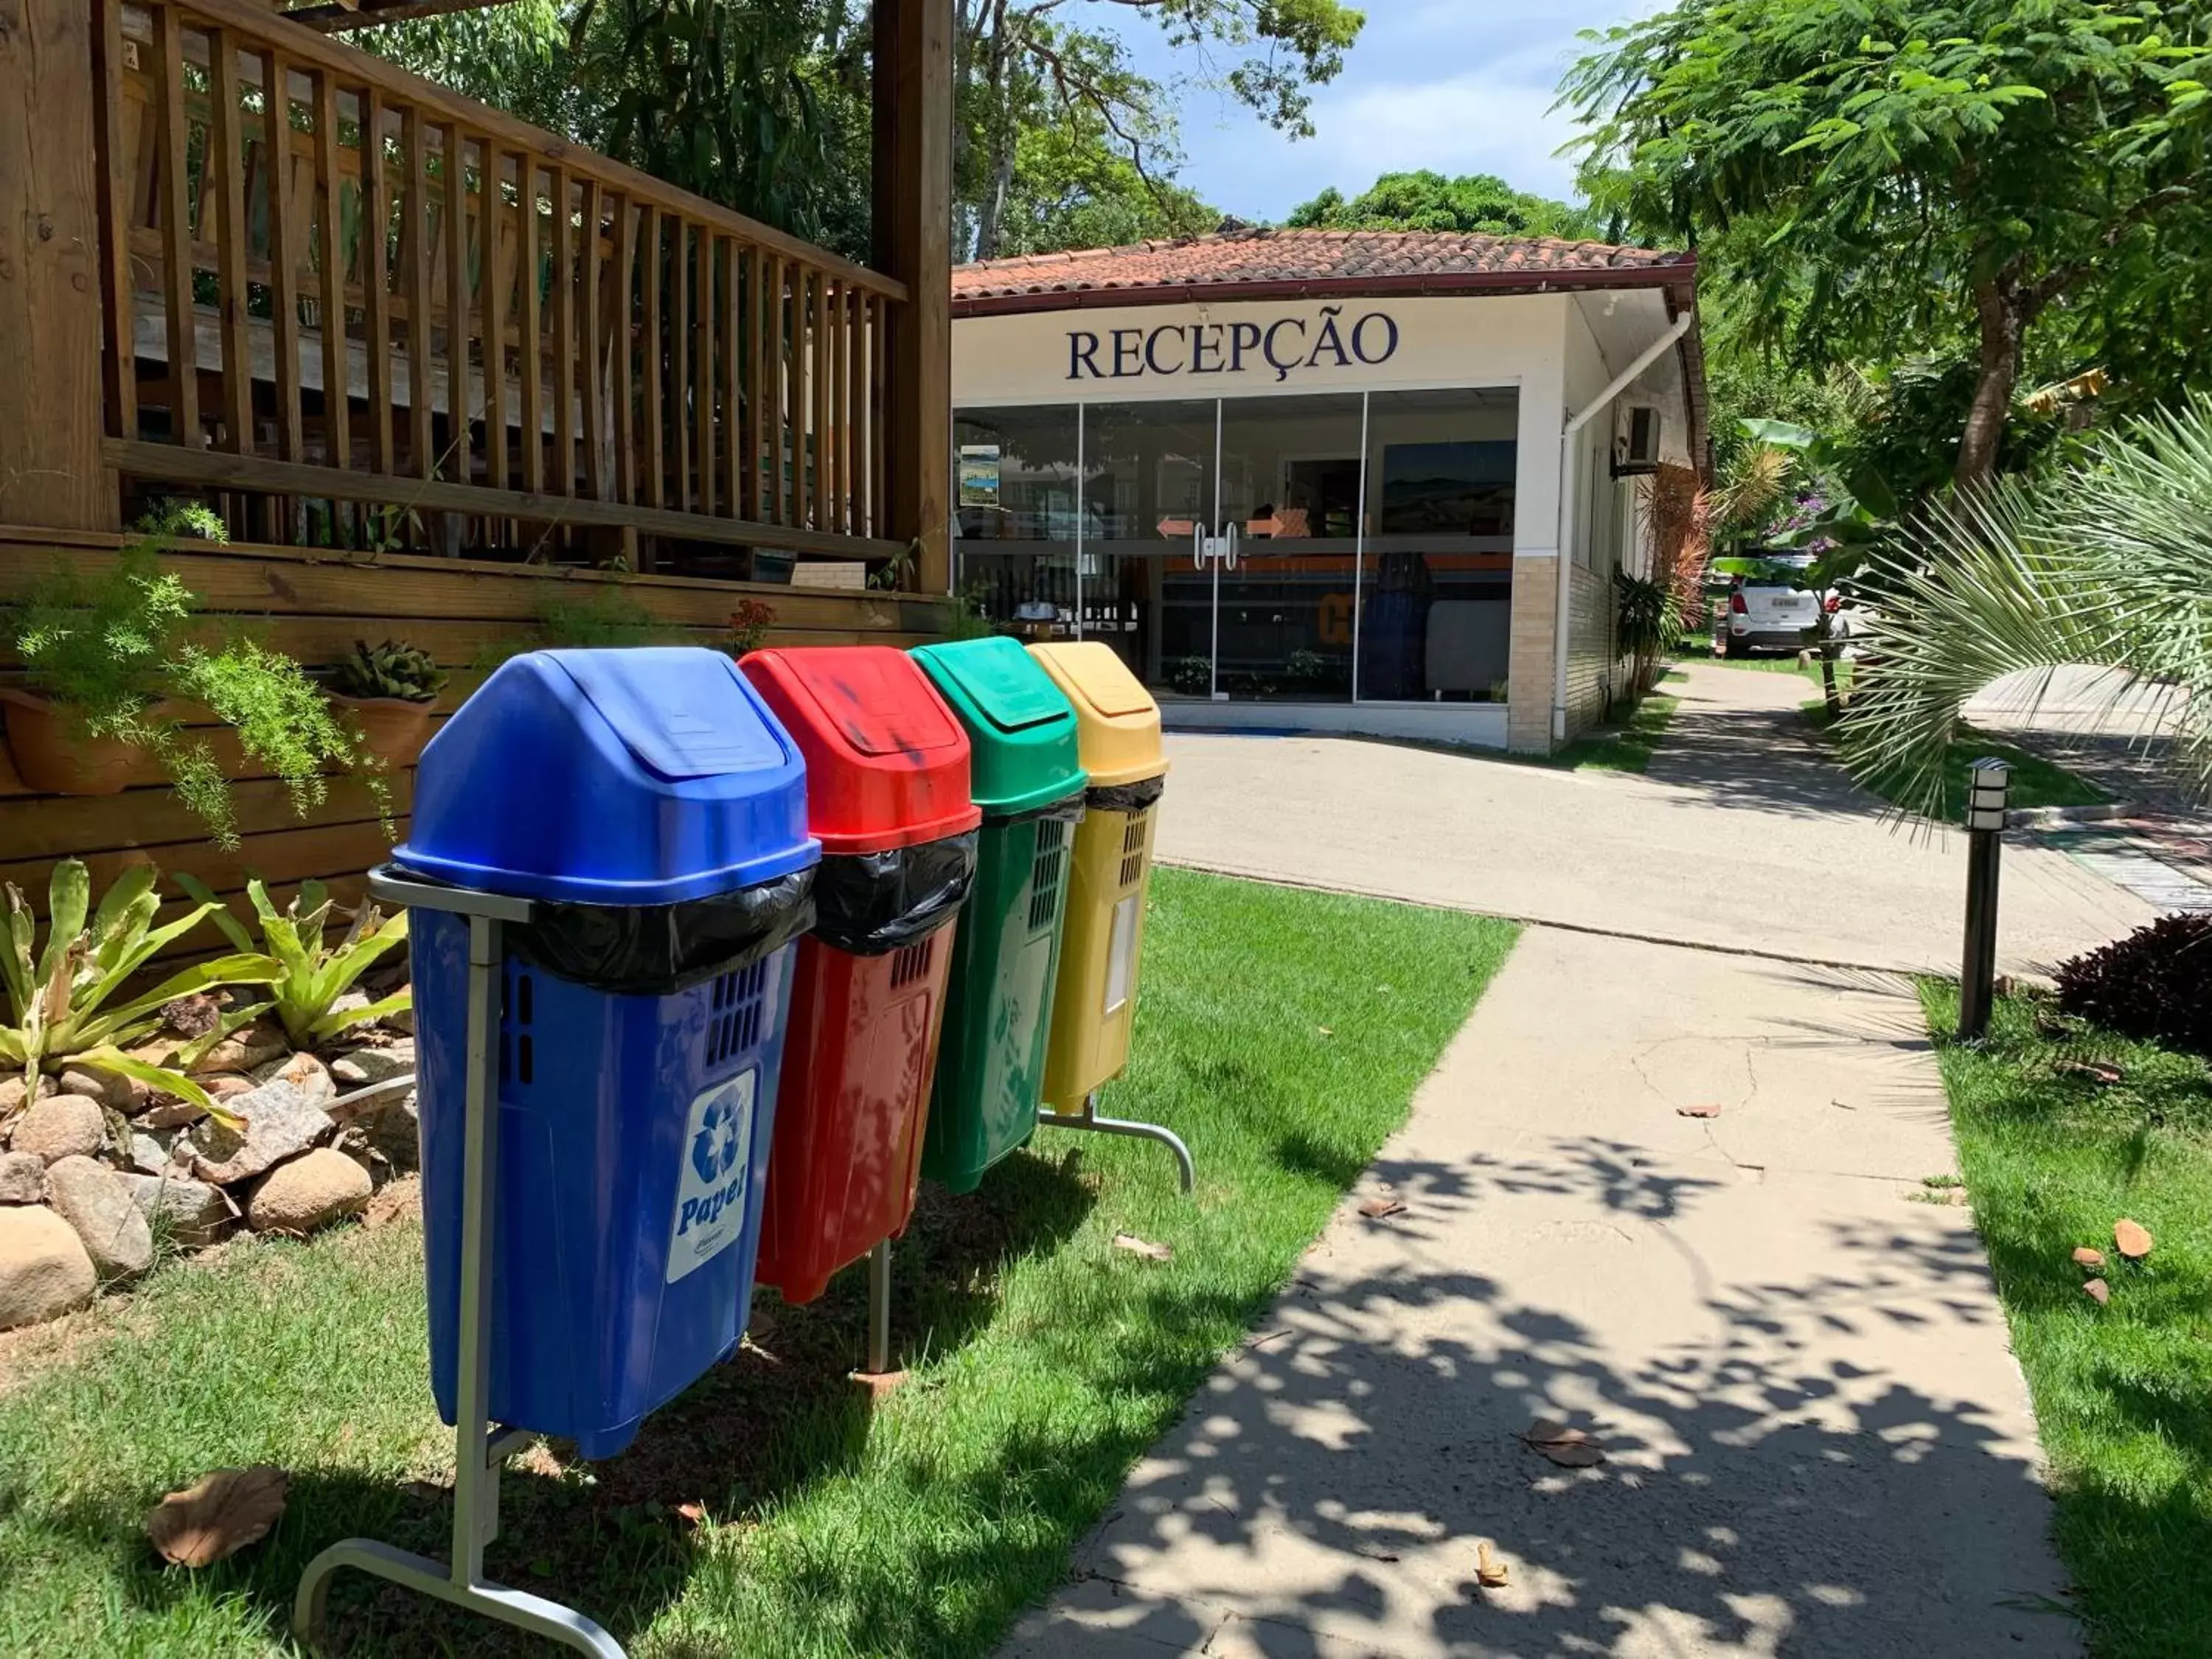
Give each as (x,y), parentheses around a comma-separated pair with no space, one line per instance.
(1437,261)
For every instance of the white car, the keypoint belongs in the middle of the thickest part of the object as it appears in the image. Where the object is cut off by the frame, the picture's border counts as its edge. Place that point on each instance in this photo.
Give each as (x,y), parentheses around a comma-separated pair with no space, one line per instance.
(1765,613)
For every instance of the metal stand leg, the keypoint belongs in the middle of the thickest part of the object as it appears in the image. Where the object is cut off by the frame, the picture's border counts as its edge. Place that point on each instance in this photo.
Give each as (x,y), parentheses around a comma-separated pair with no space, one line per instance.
(1088,1118)
(879,1309)
(480,1451)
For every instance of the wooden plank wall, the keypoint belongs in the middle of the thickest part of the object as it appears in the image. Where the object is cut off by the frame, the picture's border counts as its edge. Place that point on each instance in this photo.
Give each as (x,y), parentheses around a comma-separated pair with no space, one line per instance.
(314,604)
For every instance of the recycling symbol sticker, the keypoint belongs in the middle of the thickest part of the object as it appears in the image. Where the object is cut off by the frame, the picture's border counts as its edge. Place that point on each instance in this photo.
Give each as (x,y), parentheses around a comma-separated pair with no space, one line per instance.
(711,1193)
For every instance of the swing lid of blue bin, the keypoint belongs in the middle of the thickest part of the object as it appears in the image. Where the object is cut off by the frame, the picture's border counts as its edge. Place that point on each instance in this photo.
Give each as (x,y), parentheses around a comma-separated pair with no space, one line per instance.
(638,776)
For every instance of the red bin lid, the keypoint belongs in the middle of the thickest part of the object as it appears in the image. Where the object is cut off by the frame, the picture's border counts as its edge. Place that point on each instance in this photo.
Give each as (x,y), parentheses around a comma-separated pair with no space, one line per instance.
(886,763)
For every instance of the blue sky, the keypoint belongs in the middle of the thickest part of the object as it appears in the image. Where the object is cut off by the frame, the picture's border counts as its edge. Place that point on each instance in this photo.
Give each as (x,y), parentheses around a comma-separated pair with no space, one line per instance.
(1458,86)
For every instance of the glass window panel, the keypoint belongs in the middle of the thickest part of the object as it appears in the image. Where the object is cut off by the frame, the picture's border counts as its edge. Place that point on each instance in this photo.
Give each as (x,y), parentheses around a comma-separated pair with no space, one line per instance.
(1014,474)
(1436,583)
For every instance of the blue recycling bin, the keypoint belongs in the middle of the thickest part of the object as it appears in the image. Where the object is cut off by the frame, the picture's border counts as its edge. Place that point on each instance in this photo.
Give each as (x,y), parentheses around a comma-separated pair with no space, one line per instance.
(653,811)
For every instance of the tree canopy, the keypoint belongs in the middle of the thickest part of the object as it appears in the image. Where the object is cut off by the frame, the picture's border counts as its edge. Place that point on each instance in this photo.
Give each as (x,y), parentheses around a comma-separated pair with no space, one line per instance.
(2013,183)
(1429,201)
(765,107)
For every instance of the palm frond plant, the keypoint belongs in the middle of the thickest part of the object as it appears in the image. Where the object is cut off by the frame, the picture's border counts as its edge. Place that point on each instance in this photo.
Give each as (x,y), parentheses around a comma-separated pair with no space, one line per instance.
(306,974)
(2108,566)
(66,1005)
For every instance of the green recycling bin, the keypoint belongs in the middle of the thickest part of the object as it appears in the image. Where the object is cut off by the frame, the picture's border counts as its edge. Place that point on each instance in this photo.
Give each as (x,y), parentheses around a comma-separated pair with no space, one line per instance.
(1005,954)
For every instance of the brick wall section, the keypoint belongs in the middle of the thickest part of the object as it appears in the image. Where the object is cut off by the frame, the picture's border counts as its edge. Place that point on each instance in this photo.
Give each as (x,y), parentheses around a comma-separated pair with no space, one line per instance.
(1593,668)
(1528,672)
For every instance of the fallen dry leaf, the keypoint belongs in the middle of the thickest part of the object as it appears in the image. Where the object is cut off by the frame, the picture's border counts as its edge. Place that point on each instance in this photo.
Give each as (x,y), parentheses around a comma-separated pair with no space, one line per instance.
(2089,1258)
(2133,1238)
(1324,1031)
(1490,1569)
(1375,1209)
(695,1513)
(1570,1448)
(1697,1111)
(2101,1072)
(217,1515)
(1145,1248)
(2098,1291)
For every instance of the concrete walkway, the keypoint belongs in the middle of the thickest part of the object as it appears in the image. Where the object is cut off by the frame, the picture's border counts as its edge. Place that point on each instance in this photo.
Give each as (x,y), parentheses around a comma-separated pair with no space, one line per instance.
(1746,835)
(1817,1442)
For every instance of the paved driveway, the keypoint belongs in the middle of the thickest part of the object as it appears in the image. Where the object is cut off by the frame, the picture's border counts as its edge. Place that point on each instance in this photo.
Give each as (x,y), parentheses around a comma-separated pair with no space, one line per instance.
(1745,835)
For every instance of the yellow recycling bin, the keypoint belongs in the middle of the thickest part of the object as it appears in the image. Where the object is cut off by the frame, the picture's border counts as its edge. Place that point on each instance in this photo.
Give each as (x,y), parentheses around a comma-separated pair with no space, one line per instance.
(1094,1002)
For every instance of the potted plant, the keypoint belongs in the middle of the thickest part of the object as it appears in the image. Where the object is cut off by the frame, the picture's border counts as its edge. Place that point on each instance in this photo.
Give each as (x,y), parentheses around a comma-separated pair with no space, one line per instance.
(95,650)
(106,664)
(388,691)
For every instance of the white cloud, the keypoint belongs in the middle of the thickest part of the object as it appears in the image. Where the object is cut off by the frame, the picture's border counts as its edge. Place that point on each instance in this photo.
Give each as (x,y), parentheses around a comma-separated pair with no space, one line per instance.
(1458,86)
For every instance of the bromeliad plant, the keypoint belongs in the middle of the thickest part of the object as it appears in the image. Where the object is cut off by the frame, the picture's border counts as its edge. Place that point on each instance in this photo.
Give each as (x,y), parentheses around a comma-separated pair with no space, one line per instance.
(59,997)
(306,974)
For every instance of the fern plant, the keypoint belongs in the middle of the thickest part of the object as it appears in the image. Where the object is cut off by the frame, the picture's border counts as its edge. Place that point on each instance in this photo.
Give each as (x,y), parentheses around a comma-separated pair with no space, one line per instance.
(306,974)
(108,650)
(58,996)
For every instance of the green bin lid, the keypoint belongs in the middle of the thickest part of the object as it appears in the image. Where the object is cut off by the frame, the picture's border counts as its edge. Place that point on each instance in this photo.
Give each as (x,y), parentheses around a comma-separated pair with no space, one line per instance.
(1021,730)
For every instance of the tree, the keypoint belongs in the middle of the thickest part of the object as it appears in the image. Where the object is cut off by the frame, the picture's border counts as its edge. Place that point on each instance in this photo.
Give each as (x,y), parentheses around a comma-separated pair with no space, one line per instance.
(764,107)
(1023,64)
(1879,171)
(1429,201)
(2106,565)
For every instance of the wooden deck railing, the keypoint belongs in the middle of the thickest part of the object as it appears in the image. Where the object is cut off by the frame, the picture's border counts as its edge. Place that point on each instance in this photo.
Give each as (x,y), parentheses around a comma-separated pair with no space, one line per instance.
(329,281)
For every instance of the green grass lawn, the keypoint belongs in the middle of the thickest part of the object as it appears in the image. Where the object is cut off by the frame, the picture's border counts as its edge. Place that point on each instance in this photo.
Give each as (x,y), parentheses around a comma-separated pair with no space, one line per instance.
(2123,1392)
(1282,1032)
(2035,780)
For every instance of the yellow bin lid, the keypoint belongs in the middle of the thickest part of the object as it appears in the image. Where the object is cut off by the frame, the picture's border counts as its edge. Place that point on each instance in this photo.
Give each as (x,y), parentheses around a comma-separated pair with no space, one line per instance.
(1117,722)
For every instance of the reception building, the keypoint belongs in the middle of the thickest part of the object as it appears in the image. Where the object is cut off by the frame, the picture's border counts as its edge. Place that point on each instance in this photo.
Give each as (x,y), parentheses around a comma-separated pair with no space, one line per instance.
(1329,480)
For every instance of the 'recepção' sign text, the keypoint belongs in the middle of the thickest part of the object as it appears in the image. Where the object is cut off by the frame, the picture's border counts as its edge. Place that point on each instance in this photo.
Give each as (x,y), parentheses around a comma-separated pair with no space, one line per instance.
(1284,346)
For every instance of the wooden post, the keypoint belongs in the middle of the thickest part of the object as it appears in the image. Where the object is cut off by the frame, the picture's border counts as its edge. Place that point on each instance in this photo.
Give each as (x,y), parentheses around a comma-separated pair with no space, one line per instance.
(913,220)
(51,470)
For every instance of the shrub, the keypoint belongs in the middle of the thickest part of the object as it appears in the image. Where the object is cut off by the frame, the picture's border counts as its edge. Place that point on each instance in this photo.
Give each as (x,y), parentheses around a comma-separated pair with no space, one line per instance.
(598,617)
(2155,984)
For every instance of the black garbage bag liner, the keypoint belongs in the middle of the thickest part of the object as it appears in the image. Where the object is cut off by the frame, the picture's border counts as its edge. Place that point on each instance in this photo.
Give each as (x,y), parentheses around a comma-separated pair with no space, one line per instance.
(869,904)
(658,949)
(1068,808)
(1126,797)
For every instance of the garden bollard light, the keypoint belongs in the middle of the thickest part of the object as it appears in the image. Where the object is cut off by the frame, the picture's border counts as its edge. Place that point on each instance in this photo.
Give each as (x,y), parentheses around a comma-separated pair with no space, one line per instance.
(1989,783)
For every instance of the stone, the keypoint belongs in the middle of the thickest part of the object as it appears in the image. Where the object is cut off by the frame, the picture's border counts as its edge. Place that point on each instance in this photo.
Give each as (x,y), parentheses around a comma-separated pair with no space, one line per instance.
(15,1094)
(250,1045)
(395,1132)
(148,1152)
(192,1214)
(366,1065)
(402,1020)
(224,1085)
(22,1178)
(193,1016)
(92,1197)
(44,1271)
(170,1113)
(304,1072)
(60,1125)
(310,1192)
(127,1095)
(281,1122)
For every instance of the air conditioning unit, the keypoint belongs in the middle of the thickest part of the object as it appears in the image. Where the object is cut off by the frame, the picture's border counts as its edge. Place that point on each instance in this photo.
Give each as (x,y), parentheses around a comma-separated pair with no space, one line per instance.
(1636,429)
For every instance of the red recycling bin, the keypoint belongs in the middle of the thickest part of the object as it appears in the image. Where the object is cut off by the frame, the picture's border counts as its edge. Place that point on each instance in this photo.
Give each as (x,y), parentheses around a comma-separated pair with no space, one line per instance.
(887,796)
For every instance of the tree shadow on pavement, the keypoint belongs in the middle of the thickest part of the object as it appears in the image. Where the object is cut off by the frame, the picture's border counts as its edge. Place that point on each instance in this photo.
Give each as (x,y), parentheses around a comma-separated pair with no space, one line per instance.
(1773,1483)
